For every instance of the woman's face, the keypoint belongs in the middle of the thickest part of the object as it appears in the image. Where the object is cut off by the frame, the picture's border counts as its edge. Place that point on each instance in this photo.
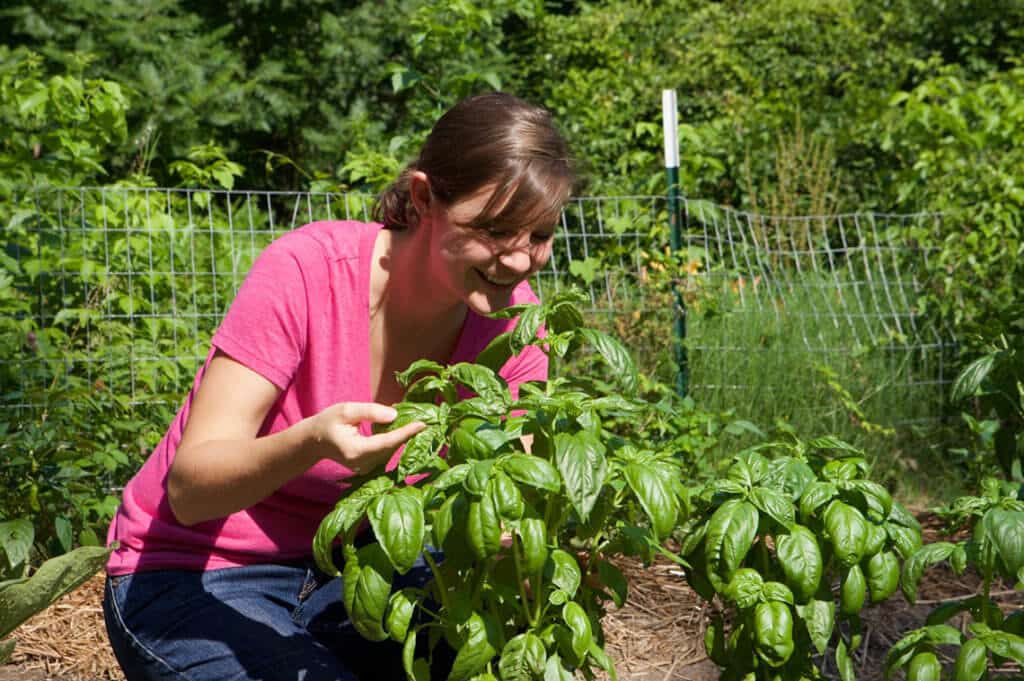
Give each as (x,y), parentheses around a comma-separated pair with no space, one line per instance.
(482,267)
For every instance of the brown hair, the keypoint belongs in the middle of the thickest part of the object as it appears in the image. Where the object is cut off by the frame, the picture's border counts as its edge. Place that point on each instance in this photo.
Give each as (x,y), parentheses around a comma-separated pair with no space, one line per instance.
(494,138)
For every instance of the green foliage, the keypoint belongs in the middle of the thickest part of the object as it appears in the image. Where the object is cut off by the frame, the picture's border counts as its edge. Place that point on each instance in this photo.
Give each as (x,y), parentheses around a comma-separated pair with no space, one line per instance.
(58,130)
(813,503)
(995,550)
(24,596)
(526,537)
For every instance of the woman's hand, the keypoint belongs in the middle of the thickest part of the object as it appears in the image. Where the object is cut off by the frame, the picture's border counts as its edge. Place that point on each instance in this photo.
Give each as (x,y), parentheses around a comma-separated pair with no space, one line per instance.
(336,436)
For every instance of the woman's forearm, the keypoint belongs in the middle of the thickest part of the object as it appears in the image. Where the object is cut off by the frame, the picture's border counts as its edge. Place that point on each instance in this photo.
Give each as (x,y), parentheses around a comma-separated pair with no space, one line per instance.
(215,478)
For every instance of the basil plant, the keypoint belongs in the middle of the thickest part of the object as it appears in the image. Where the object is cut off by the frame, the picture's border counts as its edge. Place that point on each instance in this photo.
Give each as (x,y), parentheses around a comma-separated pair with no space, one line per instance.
(525,537)
(771,538)
(995,549)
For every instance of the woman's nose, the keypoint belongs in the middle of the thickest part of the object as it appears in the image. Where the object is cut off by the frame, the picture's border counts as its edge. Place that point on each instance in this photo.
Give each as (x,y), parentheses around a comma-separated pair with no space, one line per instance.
(517,260)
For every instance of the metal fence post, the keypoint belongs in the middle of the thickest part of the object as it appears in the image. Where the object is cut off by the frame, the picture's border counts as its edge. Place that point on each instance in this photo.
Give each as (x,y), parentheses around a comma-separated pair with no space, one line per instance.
(670,120)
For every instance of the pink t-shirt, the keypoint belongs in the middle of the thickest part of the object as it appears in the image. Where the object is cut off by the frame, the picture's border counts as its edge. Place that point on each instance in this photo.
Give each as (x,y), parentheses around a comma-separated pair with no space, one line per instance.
(301,320)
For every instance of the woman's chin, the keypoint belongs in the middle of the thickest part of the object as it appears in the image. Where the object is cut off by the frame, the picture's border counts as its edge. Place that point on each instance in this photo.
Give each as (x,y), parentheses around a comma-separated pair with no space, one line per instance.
(485,303)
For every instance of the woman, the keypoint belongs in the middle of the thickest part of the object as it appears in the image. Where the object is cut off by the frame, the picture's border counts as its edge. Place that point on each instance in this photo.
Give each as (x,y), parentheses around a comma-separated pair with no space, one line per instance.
(212,577)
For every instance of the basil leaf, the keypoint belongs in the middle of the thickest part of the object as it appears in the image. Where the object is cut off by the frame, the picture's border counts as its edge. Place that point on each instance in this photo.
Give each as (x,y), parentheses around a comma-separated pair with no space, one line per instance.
(579,624)
(421,453)
(774,504)
(615,355)
(745,588)
(815,495)
(347,512)
(507,498)
(565,572)
(819,617)
(581,461)
(614,580)
(482,381)
(399,614)
(479,647)
(533,471)
(398,523)
(497,352)
(367,589)
(483,528)
(730,534)
(848,530)
(523,658)
(526,326)
(913,567)
(800,558)
(554,671)
(533,535)
(656,498)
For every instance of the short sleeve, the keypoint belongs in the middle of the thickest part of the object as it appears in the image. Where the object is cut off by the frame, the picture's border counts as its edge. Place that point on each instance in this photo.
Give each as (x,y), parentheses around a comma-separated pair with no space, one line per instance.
(266,326)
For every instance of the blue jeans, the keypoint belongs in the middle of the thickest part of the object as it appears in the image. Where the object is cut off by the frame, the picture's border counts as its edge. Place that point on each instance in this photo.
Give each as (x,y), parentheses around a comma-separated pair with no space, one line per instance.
(273,622)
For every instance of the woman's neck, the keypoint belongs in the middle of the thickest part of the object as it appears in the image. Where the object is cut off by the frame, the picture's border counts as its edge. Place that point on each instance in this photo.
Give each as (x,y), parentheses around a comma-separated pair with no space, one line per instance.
(400,301)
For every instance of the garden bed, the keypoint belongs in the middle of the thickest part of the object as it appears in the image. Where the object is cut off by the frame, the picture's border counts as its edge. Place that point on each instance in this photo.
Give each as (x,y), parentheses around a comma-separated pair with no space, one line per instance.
(656,636)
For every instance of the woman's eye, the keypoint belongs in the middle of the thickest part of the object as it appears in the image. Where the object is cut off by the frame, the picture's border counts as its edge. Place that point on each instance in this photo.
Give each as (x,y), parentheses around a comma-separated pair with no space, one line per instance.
(539,238)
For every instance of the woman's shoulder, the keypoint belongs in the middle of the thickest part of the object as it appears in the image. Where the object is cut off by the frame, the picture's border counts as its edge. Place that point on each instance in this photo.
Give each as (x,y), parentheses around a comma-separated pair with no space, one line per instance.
(334,239)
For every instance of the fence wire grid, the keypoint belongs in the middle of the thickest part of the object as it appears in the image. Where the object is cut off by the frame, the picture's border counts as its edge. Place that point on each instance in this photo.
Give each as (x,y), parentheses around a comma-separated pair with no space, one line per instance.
(123,287)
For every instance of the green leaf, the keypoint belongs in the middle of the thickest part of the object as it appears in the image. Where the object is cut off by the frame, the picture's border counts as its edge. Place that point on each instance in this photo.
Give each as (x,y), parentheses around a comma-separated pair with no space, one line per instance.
(819,617)
(554,671)
(972,661)
(844,663)
(523,658)
(367,589)
(420,366)
(877,497)
(398,523)
(532,471)
(970,379)
(730,534)
(800,558)
(347,512)
(526,327)
(1005,529)
(401,606)
(533,535)
(421,453)
(848,530)
(483,528)
(656,498)
(815,495)
(565,572)
(483,381)
(482,640)
(1005,644)
(913,567)
(497,352)
(579,624)
(615,355)
(16,537)
(581,460)
(773,631)
(745,588)
(507,498)
(23,597)
(774,504)
(612,578)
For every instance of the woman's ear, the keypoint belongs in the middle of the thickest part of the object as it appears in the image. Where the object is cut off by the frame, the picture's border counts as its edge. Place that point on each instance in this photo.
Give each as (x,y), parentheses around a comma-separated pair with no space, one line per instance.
(420,194)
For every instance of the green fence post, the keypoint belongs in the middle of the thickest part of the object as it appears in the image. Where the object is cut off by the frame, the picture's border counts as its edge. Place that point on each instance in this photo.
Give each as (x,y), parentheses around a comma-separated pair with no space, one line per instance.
(669,115)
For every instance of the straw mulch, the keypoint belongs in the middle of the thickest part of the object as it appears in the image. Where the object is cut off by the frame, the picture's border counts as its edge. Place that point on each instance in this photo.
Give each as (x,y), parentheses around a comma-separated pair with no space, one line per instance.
(656,636)
(68,640)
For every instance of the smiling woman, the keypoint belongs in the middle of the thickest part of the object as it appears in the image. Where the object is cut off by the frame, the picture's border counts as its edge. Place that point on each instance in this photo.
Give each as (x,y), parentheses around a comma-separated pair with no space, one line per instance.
(215,531)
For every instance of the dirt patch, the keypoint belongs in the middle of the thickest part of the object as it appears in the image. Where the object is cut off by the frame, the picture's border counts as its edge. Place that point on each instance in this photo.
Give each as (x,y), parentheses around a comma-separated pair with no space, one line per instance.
(657,636)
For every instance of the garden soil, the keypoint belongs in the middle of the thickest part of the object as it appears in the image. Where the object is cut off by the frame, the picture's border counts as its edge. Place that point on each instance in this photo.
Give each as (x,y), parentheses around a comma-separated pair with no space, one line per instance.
(656,636)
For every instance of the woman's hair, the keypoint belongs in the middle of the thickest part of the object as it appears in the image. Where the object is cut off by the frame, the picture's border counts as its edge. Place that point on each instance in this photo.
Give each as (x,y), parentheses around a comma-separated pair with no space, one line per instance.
(497,139)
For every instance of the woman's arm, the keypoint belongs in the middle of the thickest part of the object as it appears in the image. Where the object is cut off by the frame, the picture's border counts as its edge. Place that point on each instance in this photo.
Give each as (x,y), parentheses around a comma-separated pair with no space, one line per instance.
(222,467)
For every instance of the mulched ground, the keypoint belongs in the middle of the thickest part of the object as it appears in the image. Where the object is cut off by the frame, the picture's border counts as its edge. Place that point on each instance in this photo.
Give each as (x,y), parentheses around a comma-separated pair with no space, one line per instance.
(656,636)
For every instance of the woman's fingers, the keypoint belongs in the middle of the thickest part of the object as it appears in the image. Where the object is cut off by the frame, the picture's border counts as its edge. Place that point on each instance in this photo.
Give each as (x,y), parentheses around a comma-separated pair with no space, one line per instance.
(391,440)
(354,412)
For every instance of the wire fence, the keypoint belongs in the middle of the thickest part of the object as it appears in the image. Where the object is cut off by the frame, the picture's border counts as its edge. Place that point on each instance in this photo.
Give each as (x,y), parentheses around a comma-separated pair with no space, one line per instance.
(123,287)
